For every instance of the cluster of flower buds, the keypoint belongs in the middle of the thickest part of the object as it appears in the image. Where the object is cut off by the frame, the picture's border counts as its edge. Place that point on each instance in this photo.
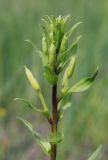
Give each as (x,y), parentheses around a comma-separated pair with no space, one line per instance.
(55,46)
(54,39)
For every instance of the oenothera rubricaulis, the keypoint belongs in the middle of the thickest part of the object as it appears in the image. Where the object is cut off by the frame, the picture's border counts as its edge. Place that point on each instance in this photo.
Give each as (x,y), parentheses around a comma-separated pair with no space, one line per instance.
(58,56)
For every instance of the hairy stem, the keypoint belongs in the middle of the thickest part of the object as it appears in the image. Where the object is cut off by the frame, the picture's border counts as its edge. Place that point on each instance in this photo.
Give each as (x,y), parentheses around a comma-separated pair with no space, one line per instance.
(54,120)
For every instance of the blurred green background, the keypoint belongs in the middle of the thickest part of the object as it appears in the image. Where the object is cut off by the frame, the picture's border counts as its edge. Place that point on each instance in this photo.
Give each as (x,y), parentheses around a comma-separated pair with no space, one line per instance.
(85,125)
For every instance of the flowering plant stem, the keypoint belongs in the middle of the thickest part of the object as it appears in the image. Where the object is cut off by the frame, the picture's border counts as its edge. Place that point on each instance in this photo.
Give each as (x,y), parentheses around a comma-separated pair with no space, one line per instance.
(54,120)
(57,57)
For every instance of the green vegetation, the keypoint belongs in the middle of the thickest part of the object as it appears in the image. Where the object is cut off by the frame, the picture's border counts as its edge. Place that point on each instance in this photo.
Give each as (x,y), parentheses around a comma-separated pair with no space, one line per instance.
(19,20)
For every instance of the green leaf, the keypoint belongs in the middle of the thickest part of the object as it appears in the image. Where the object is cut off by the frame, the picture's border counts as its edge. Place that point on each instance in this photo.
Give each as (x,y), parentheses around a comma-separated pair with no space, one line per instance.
(73,47)
(29,104)
(35,48)
(66,106)
(56,138)
(63,109)
(25,101)
(45,145)
(44,111)
(63,57)
(84,84)
(73,29)
(26,123)
(64,101)
(43,101)
(95,154)
(40,53)
(50,75)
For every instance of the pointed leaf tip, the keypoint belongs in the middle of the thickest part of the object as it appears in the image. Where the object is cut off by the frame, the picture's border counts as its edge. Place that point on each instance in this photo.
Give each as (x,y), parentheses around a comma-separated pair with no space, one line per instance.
(26,123)
(74,27)
(96,73)
(84,83)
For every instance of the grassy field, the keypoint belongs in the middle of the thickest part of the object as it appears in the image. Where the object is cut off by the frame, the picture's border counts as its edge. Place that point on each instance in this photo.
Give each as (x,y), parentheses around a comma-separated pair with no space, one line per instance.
(86,123)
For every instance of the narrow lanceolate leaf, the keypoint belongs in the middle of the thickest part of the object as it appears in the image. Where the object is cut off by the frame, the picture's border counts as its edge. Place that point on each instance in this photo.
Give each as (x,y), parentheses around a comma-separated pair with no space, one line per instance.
(73,29)
(40,53)
(70,51)
(45,108)
(73,47)
(95,154)
(50,75)
(64,108)
(29,104)
(26,123)
(32,80)
(84,84)
(25,101)
(45,145)
(35,48)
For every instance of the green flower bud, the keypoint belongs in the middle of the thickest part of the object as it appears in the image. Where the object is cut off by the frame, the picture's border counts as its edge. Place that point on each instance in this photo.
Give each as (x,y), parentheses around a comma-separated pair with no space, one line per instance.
(64,83)
(44,45)
(64,44)
(71,67)
(52,54)
(51,36)
(32,80)
(52,27)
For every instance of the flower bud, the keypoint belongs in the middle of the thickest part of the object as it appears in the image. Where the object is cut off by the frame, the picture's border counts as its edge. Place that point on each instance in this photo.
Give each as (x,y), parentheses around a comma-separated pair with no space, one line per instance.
(52,54)
(71,67)
(64,44)
(64,83)
(51,27)
(44,45)
(32,80)
(51,36)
